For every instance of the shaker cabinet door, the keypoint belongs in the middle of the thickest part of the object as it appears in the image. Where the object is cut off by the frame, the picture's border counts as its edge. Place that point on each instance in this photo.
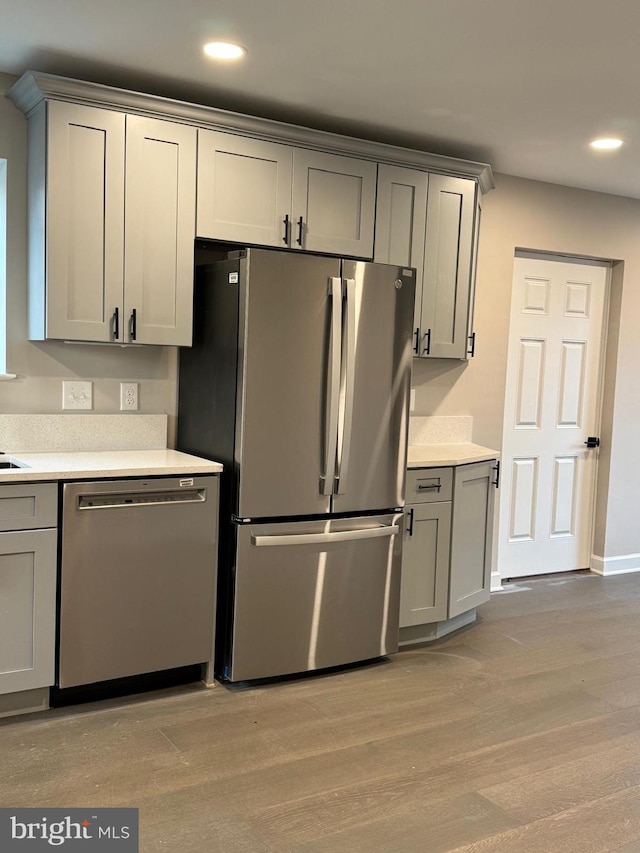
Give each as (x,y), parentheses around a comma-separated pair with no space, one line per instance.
(27,609)
(425,563)
(159,231)
(471,537)
(84,188)
(401,212)
(447,267)
(244,189)
(333,205)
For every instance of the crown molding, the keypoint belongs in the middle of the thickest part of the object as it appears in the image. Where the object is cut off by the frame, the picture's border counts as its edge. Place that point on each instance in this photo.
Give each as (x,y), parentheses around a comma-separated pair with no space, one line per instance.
(34,87)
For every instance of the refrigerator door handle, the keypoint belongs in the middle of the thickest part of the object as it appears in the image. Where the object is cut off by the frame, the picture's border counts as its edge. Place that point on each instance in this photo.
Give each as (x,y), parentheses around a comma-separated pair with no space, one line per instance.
(332,411)
(347,384)
(325,538)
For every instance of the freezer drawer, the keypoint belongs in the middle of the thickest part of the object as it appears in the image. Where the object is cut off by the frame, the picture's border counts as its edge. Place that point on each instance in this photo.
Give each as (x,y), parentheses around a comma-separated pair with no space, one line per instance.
(314,594)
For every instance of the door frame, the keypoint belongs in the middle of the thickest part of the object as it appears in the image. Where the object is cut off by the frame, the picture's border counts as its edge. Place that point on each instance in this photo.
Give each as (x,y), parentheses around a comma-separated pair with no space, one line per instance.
(541,255)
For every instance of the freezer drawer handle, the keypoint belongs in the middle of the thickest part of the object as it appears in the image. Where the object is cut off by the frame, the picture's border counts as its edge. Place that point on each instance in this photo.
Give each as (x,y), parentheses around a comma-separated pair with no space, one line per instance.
(433,487)
(321,538)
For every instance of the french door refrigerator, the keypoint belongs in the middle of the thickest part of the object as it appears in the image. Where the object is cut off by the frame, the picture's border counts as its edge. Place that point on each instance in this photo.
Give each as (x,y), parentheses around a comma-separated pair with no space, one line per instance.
(298,381)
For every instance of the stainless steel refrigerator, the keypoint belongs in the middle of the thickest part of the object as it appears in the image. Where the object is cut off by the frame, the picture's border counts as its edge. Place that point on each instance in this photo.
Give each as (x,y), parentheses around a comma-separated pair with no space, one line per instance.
(298,381)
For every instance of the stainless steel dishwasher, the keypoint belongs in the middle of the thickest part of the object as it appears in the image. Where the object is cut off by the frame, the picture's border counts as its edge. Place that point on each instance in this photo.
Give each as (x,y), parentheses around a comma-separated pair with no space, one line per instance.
(138,577)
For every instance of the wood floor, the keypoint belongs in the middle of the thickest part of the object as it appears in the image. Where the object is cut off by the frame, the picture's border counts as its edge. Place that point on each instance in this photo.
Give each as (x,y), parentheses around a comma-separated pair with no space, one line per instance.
(520,734)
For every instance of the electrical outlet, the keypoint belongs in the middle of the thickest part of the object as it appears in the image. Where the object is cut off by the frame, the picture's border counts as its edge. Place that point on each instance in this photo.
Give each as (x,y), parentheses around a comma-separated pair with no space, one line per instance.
(128,396)
(77,395)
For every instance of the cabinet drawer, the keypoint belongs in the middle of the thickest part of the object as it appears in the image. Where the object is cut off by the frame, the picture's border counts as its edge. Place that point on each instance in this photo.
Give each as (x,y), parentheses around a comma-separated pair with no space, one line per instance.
(23,507)
(425,485)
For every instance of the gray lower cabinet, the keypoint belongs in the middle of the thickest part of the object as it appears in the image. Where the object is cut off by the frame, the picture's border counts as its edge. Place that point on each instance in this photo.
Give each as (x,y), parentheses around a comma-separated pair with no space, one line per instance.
(429,221)
(425,564)
(28,553)
(446,560)
(471,531)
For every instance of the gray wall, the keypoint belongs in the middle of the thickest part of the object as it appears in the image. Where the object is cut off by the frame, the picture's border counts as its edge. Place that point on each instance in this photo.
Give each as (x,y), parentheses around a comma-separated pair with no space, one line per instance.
(549,218)
(41,367)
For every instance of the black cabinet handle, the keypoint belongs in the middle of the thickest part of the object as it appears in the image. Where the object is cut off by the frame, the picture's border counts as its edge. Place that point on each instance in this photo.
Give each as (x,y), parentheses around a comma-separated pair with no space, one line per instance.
(427,342)
(472,341)
(416,346)
(434,487)
(300,226)
(496,468)
(410,523)
(287,225)
(133,322)
(116,324)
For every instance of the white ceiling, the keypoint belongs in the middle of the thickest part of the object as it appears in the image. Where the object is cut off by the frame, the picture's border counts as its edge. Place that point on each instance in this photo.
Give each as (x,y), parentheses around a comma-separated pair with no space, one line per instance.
(521,85)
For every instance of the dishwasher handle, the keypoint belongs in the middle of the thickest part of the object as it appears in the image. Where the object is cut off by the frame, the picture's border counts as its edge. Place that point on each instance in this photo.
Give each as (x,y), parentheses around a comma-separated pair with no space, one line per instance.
(132,499)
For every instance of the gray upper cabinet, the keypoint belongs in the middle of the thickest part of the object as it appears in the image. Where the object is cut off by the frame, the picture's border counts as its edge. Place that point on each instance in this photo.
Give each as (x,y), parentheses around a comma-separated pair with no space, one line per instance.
(429,222)
(160,209)
(113,210)
(244,189)
(112,223)
(333,203)
(269,194)
(448,268)
(76,211)
(401,215)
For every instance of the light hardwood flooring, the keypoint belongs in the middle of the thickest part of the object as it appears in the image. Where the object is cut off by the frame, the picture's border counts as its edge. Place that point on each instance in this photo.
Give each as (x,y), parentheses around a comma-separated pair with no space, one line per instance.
(519,734)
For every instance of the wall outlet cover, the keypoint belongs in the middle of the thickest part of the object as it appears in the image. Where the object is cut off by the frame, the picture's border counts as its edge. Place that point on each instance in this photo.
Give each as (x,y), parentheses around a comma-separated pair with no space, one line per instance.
(128,396)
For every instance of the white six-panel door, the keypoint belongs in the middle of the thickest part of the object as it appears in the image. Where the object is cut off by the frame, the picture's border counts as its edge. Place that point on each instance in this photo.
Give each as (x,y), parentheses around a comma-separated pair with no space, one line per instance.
(552,404)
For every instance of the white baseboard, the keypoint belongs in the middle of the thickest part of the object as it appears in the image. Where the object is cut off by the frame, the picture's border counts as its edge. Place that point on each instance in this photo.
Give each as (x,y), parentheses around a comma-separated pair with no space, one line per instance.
(496,582)
(607,566)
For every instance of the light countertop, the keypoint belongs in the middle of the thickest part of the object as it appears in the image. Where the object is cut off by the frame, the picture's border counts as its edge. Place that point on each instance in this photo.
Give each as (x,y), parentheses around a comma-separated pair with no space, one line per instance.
(441,455)
(103,463)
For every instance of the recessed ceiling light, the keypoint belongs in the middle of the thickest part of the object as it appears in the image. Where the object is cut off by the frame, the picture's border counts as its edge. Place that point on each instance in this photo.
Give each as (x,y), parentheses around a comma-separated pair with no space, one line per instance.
(606,144)
(224,50)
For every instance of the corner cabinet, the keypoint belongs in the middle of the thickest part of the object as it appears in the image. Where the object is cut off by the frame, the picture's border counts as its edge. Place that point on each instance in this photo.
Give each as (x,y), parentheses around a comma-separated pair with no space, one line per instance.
(253,191)
(429,222)
(446,560)
(27,586)
(112,224)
